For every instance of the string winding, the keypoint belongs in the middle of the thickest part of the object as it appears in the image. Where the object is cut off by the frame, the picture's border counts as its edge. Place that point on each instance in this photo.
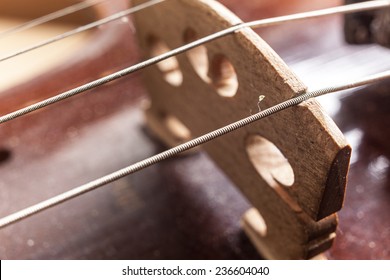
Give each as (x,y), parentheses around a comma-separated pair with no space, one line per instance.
(56,200)
(231,30)
(84,28)
(61,198)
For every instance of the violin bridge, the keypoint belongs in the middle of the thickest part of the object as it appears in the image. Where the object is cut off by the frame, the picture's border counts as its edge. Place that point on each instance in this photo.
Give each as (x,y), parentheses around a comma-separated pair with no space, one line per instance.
(291,166)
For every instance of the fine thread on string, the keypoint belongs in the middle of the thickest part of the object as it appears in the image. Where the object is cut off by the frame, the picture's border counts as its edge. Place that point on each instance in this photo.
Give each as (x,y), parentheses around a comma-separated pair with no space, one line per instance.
(84,28)
(56,200)
(50,17)
(154,60)
(261,98)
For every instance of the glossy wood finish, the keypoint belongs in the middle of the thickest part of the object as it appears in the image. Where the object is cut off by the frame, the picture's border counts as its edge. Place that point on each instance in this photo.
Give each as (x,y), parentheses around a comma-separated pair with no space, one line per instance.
(166,212)
(35,9)
(364,231)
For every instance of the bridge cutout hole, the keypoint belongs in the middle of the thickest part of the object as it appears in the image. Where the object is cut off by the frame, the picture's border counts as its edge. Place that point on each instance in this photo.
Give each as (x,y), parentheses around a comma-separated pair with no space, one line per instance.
(197,56)
(179,130)
(219,72)
(273,167)
(5,155)
(257,221)
(269,162)
(169,67)
(223,76)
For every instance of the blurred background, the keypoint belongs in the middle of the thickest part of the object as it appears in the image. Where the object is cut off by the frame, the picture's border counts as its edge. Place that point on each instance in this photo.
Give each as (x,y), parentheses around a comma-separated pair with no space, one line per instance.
(183,208)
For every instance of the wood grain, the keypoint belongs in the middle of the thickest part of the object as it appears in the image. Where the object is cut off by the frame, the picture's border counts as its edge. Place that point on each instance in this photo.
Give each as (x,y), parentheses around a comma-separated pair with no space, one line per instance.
(313,145)
(184,208)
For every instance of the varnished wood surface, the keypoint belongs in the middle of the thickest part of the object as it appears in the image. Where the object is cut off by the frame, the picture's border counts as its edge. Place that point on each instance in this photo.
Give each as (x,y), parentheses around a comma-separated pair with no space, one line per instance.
(291,209)
(184,207)
(364,231)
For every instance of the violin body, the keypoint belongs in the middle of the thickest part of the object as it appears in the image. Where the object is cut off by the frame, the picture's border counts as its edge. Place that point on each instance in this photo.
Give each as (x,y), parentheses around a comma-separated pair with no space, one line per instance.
(182,208)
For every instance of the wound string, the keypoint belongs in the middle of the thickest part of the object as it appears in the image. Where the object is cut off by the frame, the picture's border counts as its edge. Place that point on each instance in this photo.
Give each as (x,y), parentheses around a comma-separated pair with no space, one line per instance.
(231,30)
(56,200)
(84,28)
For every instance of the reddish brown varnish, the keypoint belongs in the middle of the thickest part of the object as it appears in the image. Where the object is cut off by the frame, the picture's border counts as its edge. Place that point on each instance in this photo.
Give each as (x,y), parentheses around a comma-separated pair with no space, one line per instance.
(164,212)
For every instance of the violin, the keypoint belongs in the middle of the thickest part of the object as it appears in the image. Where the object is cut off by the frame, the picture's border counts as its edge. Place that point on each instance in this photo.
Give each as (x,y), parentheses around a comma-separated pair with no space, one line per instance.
(187,207)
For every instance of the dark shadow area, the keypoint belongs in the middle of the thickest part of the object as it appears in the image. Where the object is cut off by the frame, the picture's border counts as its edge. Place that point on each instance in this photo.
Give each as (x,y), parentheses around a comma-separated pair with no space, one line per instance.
(365,219)
(5,155)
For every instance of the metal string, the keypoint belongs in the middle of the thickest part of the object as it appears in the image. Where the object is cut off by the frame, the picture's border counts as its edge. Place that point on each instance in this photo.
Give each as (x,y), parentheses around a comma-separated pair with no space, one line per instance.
(351,8)
(84,28)
(231,30)
(184,147)
(52,16)
(364,6)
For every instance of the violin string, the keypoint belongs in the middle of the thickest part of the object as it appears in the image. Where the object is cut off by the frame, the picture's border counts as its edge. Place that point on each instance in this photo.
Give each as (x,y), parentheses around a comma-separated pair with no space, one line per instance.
(344,9)
(73,193)
(83,28)
(154,60)
(364,6)
(50,17)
